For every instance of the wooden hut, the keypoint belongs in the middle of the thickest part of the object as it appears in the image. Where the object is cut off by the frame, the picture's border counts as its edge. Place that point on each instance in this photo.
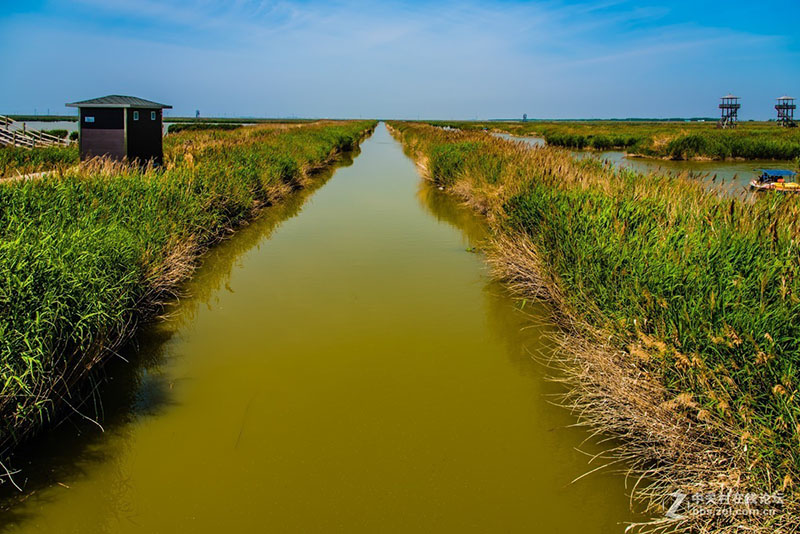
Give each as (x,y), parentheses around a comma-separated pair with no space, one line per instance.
(121,127)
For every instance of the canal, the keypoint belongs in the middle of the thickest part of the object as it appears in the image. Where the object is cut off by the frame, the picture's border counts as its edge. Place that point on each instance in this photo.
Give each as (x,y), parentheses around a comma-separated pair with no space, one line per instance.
(343,364)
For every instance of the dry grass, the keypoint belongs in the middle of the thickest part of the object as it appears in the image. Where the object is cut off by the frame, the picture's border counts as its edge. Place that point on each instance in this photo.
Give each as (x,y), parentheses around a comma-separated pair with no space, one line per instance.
(613,393)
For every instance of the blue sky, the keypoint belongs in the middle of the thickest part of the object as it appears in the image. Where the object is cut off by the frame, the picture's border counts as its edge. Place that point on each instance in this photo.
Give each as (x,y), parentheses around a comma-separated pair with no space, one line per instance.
(482,59)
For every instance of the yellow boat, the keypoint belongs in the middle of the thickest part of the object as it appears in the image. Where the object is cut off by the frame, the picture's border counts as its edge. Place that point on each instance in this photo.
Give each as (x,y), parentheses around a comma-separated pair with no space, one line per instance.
(780,180)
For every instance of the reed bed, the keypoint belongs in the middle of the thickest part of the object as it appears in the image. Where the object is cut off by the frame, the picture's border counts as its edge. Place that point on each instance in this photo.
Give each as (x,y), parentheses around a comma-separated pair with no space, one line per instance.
(669,140)
(681,311)
(58,132)
(15,161)
(89,251)
(237,120)
(197,126)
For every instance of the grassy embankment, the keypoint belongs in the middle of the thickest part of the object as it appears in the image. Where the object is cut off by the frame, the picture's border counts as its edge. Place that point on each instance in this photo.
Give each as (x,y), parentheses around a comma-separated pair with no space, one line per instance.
(682,308)
(85,254)
(672,140)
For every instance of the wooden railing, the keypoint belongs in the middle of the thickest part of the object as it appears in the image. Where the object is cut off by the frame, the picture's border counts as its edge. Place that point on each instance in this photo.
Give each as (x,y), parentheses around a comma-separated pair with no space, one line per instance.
(11,133)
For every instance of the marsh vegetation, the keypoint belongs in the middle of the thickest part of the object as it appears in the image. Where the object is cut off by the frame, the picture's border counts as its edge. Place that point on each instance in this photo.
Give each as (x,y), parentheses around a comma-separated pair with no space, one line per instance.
(88,251)
(15,161)
(670,140)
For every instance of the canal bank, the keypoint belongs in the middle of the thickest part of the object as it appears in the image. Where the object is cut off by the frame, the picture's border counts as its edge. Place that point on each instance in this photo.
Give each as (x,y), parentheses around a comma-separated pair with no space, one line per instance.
(619,256)
(349,369)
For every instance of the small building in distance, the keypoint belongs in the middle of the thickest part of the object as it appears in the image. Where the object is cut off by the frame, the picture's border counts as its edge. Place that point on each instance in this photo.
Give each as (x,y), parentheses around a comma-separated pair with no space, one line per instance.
(121,127)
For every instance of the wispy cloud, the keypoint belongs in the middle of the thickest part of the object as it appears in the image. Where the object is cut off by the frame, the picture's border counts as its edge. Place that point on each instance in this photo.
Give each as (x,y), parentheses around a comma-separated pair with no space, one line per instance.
(347,58)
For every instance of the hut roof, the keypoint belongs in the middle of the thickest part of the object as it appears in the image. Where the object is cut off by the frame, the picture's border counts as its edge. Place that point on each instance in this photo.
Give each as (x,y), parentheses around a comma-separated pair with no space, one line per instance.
(777,172)
(787,98)
(117,101)
(730,96)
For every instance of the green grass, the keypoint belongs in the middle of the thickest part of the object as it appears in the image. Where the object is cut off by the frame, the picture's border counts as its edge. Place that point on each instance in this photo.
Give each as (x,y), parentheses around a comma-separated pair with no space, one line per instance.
(59,132)
(16,160)
(83,255)
(715,281)
(197,126)
(43,118)
(236,120)
(674,140)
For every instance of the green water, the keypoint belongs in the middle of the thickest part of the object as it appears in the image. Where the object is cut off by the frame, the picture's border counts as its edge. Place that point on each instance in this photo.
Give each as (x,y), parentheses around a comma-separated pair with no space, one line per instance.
(343,364)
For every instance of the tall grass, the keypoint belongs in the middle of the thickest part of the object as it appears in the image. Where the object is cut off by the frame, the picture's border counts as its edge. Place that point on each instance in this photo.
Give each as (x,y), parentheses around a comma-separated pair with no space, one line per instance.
(731,145)
(85,254)
(595,141)
(196,126)
(237,120)
(673,140)
(59,132)
(697,293)
(15,160)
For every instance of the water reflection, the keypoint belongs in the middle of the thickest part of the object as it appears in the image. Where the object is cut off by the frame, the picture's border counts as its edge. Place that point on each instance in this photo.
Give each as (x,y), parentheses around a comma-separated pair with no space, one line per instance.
(528,334)
(525,328)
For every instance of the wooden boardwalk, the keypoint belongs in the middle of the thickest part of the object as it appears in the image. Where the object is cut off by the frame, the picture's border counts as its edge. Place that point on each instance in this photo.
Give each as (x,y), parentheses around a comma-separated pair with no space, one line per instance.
(13,133)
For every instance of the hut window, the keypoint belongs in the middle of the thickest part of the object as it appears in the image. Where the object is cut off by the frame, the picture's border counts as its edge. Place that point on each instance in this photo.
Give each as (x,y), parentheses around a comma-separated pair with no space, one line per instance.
(88,119)
(136,115)
(152,115)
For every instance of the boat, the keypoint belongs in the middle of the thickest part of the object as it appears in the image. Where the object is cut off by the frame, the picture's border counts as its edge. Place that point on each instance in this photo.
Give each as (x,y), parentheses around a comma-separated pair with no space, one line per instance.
(782,180)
